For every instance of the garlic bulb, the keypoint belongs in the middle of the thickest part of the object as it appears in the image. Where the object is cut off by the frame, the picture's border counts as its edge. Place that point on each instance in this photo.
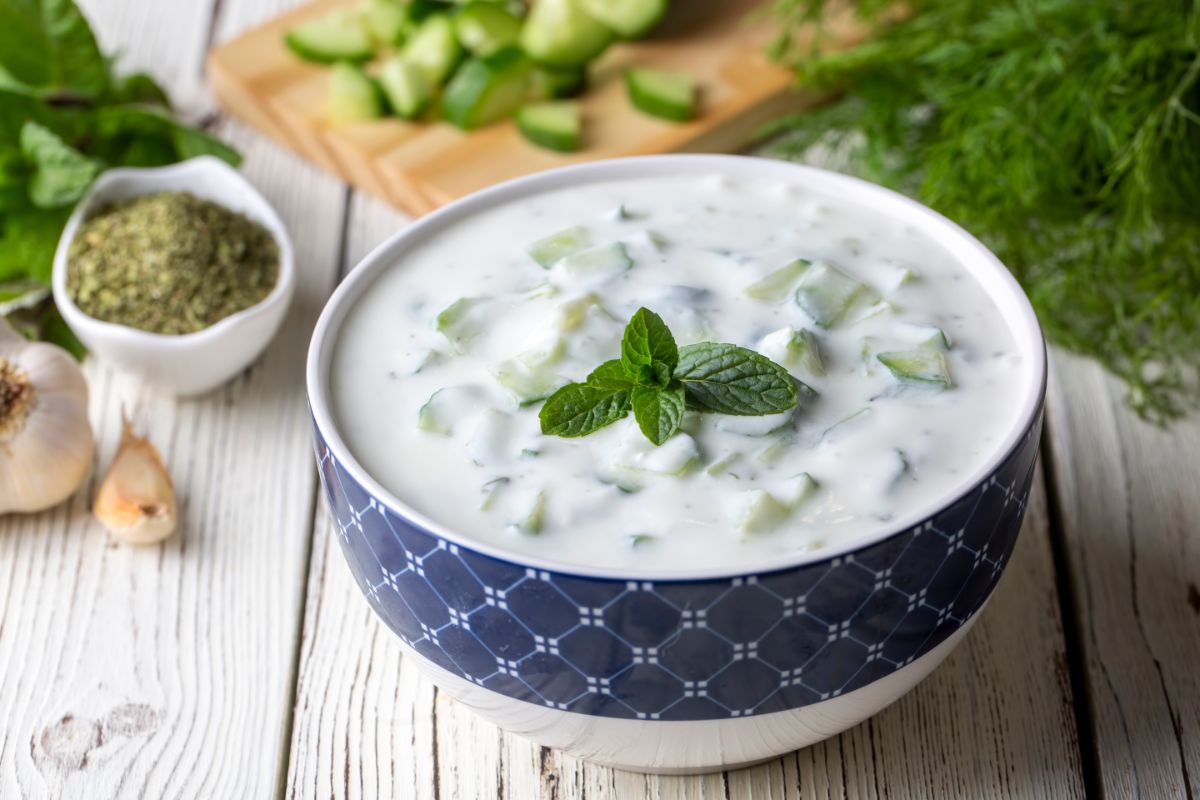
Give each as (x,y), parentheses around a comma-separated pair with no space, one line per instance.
(136,501)
(46,441)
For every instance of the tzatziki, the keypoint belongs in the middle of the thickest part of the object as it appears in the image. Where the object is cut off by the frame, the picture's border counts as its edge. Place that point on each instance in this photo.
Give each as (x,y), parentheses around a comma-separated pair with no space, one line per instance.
(906,372)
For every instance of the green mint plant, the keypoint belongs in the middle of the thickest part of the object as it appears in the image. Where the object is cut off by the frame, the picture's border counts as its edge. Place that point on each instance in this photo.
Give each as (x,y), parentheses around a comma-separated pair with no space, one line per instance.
(658,381)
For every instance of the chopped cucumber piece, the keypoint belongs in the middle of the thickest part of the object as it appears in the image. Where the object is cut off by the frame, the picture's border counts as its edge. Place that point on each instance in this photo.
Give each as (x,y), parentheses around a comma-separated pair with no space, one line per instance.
(608,259)
(928,336)
(532,515)
(620,213)
(448,407)
(487,89)
(460,323)
(629,18)
(407,87)
(662,93)
(778,286)
(755,426)
(385,21)
(826,293)
(925,366)
(846,423)
(415,363)
(553,125)
(547,82)
(491,441)
(483,27)
(527,384)
(639,539)
(673,457)
(864,311)
(798,490)
(793,349)
(722,464)
(353,95)
(776,449)
(490,490)
(898,275)
(559,245)
(337,36)
(434,48)
(756,511)
(573,313)
(561,33)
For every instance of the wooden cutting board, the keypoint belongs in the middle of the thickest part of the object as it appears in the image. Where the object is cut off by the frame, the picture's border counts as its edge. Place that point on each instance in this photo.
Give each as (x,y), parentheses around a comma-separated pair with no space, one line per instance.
(418,166)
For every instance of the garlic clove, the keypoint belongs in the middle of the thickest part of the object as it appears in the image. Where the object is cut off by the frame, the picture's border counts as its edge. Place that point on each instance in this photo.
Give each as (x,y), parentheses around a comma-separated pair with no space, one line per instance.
(136,501)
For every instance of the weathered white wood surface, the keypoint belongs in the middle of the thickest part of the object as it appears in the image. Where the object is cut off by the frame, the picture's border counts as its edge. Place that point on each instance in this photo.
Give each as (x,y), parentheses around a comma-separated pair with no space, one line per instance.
(228,663)
(1128,495)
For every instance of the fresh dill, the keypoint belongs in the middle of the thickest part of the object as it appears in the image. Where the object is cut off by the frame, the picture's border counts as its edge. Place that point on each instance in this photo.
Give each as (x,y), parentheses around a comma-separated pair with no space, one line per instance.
(1064,133)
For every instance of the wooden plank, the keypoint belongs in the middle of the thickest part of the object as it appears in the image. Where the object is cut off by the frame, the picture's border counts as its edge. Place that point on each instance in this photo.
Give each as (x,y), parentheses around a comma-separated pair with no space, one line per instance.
(1130,517)
(419,165)
(166,671)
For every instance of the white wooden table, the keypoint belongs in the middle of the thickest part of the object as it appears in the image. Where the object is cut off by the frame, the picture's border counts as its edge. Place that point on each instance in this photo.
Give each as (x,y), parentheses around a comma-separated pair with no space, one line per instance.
(239,659)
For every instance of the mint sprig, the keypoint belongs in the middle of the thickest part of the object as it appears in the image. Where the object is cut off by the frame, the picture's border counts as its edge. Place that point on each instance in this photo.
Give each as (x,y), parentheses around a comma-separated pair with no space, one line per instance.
(658,381)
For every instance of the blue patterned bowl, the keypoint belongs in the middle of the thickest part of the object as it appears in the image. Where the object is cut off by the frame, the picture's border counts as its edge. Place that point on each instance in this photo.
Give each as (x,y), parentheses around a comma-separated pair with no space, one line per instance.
(671,673)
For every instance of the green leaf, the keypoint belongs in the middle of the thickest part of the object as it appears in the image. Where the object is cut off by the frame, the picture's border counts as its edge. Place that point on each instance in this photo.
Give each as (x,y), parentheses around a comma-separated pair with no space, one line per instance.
(61,174)
(48,45)
(578,409)
(729,379)
(136,119)
(140,88)
(27,243)
(611,374)
(658,412)
(648,350)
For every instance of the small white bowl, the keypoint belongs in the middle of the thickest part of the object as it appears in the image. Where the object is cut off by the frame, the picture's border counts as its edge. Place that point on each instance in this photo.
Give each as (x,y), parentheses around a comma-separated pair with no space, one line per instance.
(192,363)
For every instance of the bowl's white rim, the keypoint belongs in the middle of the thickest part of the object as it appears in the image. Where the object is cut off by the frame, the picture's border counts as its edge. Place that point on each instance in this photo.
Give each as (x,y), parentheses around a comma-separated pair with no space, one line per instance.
(158,179)
(988,271)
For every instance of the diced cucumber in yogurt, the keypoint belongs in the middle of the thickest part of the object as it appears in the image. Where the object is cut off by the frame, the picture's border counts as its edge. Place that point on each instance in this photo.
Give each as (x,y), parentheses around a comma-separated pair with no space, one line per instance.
(417,362)
(639,539)
(927,336)
(926,367)
(862,311)
(460,322)
(527,384)
(846,424)
(797,490)
(755,426)
(638,458)
(779,285)
(447,408)
(491,441)
(777,449)
(551,249)
(796,350)
(897,275)
(573,313)
(826,293)
(609,259)
(757,511)
(723,463)
(530,514)
(490,490)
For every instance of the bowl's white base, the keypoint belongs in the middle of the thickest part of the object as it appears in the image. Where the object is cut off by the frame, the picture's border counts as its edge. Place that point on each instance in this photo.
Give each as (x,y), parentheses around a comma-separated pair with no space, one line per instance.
(681,748)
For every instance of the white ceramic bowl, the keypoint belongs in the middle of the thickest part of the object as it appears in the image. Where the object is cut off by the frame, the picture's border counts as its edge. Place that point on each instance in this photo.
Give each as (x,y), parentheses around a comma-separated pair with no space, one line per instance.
(193,363)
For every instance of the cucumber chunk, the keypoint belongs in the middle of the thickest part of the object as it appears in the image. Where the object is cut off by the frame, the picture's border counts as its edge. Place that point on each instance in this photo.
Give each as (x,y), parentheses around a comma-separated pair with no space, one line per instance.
(605,260)
(638,459)
(846,424)
(490,491)
(447,408)
(561,33)
(487,89)
(491,441)
(778,286)
(559,245)
(925,367)
(797,490)
(434,48)
(757,511)
(629,18)
(529,377)
(898,275)
(531,514)
(776,450)
(337,36)
(353,95)
(460,323)
(755,426)
(797,350)
(385,21)
(826,293)
(662,93)
(547,82)
(407,87)
(553,125)
(927,336)
(573,313)
(721,465)
(483,27)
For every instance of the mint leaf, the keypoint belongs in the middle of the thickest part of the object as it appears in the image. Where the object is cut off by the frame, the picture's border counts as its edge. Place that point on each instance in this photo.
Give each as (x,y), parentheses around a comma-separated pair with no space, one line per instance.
(648,350)
(729,379)
(140,119)
(578,409)
(61,174)
(658,411)
(48,45)
(611,374)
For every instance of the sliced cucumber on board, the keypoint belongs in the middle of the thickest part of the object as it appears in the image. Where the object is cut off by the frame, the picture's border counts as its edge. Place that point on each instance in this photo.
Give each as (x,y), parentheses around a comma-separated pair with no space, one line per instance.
(353,94)
(385,20)
(668,94)
(629,18)
(487,89)
(337,36)
(553,125)
(434,48)
(562,33)
(548,82)
(407,87)
(483,27)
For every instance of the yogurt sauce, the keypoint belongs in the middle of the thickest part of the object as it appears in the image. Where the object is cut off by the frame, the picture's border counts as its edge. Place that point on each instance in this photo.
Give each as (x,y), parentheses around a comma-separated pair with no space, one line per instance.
(871,446)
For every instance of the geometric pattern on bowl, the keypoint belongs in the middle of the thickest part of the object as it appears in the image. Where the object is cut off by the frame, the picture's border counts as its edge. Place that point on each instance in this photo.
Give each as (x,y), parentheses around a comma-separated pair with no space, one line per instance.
(682,649)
